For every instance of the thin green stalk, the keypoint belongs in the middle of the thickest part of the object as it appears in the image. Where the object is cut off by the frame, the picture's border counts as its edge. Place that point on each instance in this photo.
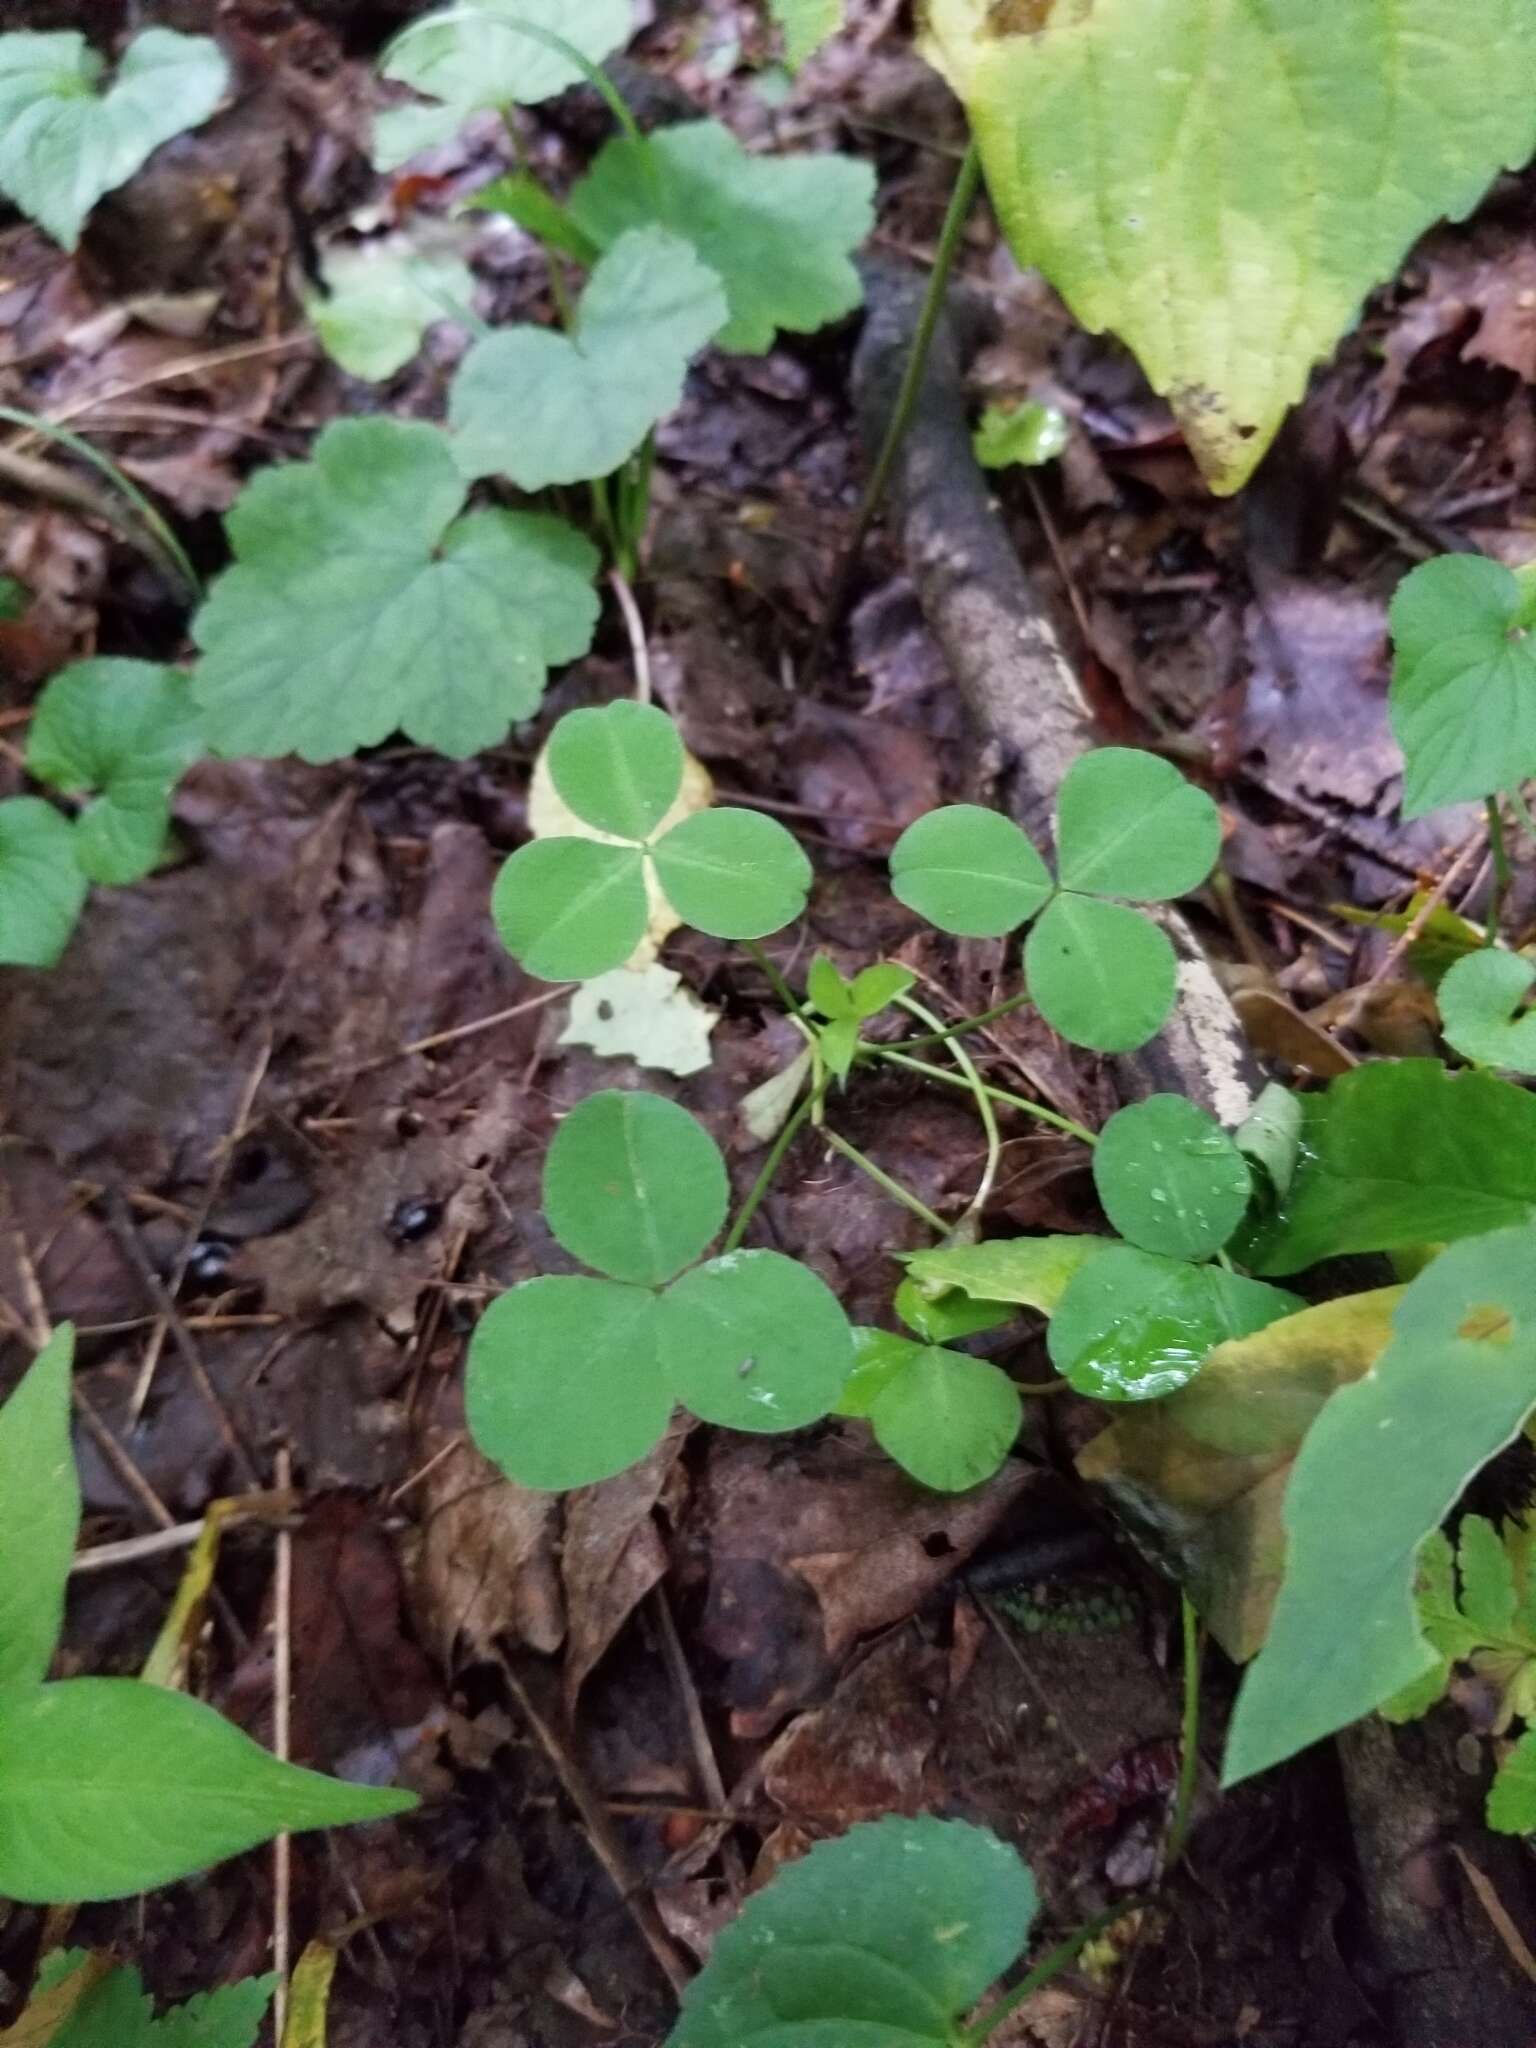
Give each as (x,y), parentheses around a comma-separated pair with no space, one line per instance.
(967,178)
(1034,1109)
(962,1024)
(984,1107)
(155,527)
(1049,1966)
(771,1165)
(776,981)
(1189,1761)
(1502,877)
(882,1179)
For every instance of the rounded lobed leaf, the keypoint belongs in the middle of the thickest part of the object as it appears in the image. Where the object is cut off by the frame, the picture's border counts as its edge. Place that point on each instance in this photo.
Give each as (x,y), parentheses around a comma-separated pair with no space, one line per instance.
(1128,824)
(756,1341)
(969,871)
(568,909)
(733,874)
(1170,1178)
(1463,700)
(1484,1010)
(564,1384)
(634,1186)
(1101,974)
(42,888)
(619,768)
(947,1419)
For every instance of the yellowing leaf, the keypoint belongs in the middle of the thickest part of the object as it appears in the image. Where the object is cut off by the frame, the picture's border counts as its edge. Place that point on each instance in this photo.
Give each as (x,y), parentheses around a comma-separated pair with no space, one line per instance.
(1220,183)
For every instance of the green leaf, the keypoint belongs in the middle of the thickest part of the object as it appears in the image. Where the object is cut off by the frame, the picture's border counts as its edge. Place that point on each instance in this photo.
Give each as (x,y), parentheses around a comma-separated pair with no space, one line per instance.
(805,25)
(755,1341)
(523,199)
(472,55)
(1512,1795)
(1033,1271)
(1134,1326)
(876,988)
(829,994)
(15,600)
(778,231)
(546,408)
(947,1419)
(39,1512)
(1270,1135)
(109,1786)
(1484,1012)
(839,1042)
(42,890)
(567,909)
(1463,699)
(1221,186)
(128,730)
(1487,1578)
(923,1913)
(116,2013)
(940,1317)
(1382,1466)
(64,143)
(1402,1153)
(1026,435)
(634,1186)
(360,604)
(879,1357)
(619,768)
(1101,974)
(1128,824)
(565,1382)
(379,300)
(734,874)
(969,871)
(1170,1178)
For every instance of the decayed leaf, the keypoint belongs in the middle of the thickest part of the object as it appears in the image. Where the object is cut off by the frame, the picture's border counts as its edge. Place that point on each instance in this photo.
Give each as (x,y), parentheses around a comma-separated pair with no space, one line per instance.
(485,1566)
(645,1015)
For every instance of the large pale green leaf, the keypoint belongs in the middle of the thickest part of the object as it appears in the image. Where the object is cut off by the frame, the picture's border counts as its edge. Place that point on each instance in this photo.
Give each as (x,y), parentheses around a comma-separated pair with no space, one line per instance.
(755,1341)
(109,1786)
(42,888)
(1463,680)
(64,143)
(634,1186)
(1220,182)
(361,604)
(39,1512)
(1380,1468)
(547,408)
(778,231)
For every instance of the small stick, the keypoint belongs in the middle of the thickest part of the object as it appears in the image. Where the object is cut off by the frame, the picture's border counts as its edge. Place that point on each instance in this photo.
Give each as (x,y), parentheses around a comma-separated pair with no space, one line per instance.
(130,1475)
(282,1745)
(459,1031)
(253,1507)
(1405,939)
(705,1761)
(634,626)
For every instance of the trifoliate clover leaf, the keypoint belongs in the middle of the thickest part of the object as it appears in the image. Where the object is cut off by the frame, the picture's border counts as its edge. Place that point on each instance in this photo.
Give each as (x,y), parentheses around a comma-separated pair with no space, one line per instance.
(42,886)
(478,53)
(1128,824)
(380,299)
(1170,1178)
(634,1186)
(546,408)
(777,231)
(619,767)
(64,143)
(734,874)
(947,1419)
(969,871)
(568,909)
(1022,435)
(361,604)
(1484,1010)
(128,731)
(1101,974)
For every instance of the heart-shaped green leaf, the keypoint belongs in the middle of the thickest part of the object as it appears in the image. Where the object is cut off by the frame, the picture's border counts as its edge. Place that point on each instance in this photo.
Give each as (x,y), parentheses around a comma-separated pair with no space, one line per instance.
(1101,974)
(360,604)
(568,909)
(42,889)
(734,874)
(1484,1011)
(128,730)
(1463,697)
(969,871)
(1170,1178)
(109,1786)
(947,1419)
(619,768)
(1128,824)
(64,144)
(756,1341)
(778,231)
(634,1186)
(565,1382)
(380,298)
(546,408)
(1221,185)
(39,1512)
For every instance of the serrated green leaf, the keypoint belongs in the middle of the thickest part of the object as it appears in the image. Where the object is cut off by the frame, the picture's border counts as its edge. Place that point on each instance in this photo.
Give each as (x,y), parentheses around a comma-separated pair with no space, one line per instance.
(1381,1467)
(1033,1271)
(128,731)
(619,768)
(939,1905)
(947,1419)
(1402,1153)
(805,26)
(1484,1011)
(568,909)
(546,408)
(969,871)
(1101,974)
(1023,435)
(473,54)
(755,1341)
(941,1317)
(360,604)
(116,2013)
(1222,185)
(1512,1795)
(1463,700)
(380,298)
(634,1186)
(1415,1699)
(64,143)
(777,231)
(734,874)
(1170,1178)
(1487,1578)
(42,889)
(109,1786)
(39,1512)
(565,1384)
(1128,824)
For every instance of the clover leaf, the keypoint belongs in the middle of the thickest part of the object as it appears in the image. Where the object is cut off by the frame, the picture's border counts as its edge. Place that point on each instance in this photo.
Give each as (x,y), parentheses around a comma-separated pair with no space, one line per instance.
(1170,1178)
(1128,824)
(970,871)
(42,887)
(361,604)
(571,1379)
(64,143)
(128,730)
(546,408)
(1463,700)
(570,908)
(1484,1009)
(379,300)
(777,231)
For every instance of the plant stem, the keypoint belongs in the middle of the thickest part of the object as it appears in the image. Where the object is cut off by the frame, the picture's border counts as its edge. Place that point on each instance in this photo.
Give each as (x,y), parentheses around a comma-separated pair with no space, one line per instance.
(967,178)
(1050,1965)
(984,1107)
(882,1179)
(1034,1109)
(962,1024)
(1498,848)
(776,981)
(634,625)
(771,1165)
(1189,1761)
